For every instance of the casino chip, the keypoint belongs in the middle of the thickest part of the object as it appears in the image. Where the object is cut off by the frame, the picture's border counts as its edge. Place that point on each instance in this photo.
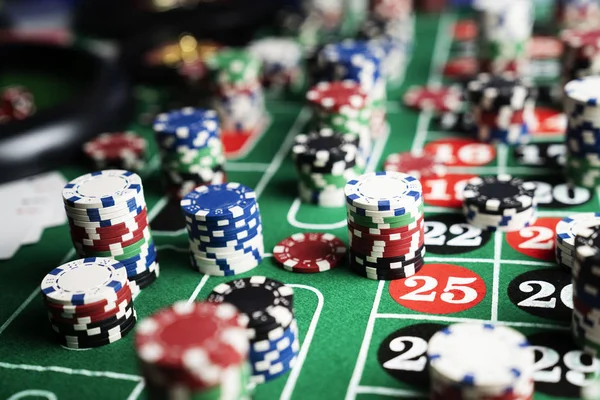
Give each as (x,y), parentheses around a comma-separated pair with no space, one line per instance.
(385,225)
(107,217)
(224,229)
(117,150)
(499,203)
(309,252)
(89,302)
(434,98)
(196,350)
(269,307)
(419,166)
(567,231)
(480,361)
(16,103)
(281,62)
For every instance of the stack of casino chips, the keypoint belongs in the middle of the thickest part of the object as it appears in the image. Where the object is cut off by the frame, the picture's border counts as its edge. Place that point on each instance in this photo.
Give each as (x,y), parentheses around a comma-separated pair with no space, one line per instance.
(359,62)
(586,296)
(343,107)
(581,55)
(385,225)
(117,150)
(190,148)
(422,166)
(499,203)
(272,328)
(501,107)
(390,19)
(281,60)
(224,228)
(16,103)
(480,361)
(238,93)
(89,302)
(325,161)
(108,217)
(578,13)
(582,138)
(195,350)
(567,231)
(505,29)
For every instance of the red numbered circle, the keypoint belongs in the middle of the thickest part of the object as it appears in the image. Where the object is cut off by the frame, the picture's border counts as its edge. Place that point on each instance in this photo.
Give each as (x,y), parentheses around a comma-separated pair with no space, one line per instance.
(445,191)
(439,289)
(548,122)
(537,240)
(458,152)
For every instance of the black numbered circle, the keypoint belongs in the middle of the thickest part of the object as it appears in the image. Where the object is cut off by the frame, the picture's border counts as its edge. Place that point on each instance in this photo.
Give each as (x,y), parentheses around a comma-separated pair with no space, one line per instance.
(403,354)
(561,367)
(553,192)
(545,293)
(450,234)
(547,155)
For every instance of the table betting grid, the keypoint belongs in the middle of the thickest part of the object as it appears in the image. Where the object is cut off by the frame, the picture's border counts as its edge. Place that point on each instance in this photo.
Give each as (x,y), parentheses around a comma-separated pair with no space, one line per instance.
(360,339)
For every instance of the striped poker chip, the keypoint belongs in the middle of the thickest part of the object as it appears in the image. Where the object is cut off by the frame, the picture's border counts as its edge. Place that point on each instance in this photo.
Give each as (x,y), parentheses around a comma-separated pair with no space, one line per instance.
(216,202)
(324,147)
(309,252)
(334,96)
(115,145)
(502,194)
(84,281)
(102,189)
(186,122)
(382,191)
(570,227)
(584,91)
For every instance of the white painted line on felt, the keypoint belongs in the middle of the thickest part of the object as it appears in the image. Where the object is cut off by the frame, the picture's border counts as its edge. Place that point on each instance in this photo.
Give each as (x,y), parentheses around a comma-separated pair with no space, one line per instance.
(483,170)
(498,238)
(33,393)
(290,384)
(421,134)
(251,143)
(540,213)
(441,318)
(137,390)
(173,248)
(441,49)
(71,371)
(16,313)
(196,291)
(489,261)
(160,204)
(392,392)
(364,347)
(246,167)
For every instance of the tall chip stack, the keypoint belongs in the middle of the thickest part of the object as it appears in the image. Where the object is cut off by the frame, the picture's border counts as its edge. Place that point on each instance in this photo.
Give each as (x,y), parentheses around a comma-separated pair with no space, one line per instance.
(480,361)
(108,217)
(268,306)
(281,60)
(385,225)
(505,29)
(190,148)
(357,61)
(500,203)
(325,161)
(89,302)
(224,228)
(194,350)
(567,231)
(390,19)
(238,93)
(501,107)
(581,56)
(582,138)
(343,107)
(586,297)
(578,13)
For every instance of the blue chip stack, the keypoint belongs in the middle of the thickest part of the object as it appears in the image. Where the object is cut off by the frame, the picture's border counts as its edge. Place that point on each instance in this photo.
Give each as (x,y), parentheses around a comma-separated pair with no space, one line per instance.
(225,230)
(190,148)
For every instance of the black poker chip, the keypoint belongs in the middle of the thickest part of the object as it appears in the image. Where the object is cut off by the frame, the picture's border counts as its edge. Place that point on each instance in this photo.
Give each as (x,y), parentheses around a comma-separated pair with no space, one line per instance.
(388,262)
(499,195)
(82,342)
(144,279)
(324,146)
(387,274)
(93,330)
(587,253)
(492,92)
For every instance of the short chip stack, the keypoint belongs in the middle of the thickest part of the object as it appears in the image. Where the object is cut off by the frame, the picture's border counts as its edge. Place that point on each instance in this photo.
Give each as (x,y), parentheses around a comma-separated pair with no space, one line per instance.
(499,203)
(567,231)
(385,225)
(108,217)
(505,28)
(89,302)
(582,138)
(117,150)
(272,328)
(225,229)
(421,166)
(281,62)
(586,294)
(480,361)
(238,93)
(309,253)
(325,161)
(581,56)
(190,148)
(501,107)
(194,351)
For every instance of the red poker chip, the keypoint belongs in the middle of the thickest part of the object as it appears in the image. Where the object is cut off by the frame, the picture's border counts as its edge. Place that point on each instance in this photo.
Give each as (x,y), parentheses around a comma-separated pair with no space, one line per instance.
(111,246)
(102,241)
(64,318)
(460,68)
(115,146)
(397,236)
(17,102)
(335,95)
(578,38)
(385,231)
(120,227)
(309,252)
(371,251)
(544,48)
(419,166)
(434,98)
(399,242)
(99,307)
(465,30)
(493,119)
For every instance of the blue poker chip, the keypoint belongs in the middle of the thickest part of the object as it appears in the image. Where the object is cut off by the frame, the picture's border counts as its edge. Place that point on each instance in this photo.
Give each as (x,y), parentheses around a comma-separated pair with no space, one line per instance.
(225,263)
(108,220)
(216,202)
(186,121)
(225,245)
(220,255)
(84,281)
(243,224)
(261,347)
(584,91)
(102,189)
(262,374)
(145,254)
(228,240)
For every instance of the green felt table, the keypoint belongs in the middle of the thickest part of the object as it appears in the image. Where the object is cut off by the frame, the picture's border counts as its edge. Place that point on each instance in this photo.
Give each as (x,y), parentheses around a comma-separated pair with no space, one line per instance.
(360,338)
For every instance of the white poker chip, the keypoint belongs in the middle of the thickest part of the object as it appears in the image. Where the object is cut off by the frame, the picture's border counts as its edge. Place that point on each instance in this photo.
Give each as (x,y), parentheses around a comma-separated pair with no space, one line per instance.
(383,191)
(101,189)
(584,90)
(579,224)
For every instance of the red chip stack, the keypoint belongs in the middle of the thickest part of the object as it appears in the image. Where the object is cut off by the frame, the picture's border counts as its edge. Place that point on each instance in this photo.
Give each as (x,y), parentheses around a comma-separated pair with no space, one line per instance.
(16,103)
(119,150)
(581,54)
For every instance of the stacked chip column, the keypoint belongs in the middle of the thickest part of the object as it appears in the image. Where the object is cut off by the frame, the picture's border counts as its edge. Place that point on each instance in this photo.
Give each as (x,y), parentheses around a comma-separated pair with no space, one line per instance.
(281,60)
(238,93)
(502,108)
(583,14)
(505,29)
(583,132)
(390,18)
(581,56)
(190,148)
